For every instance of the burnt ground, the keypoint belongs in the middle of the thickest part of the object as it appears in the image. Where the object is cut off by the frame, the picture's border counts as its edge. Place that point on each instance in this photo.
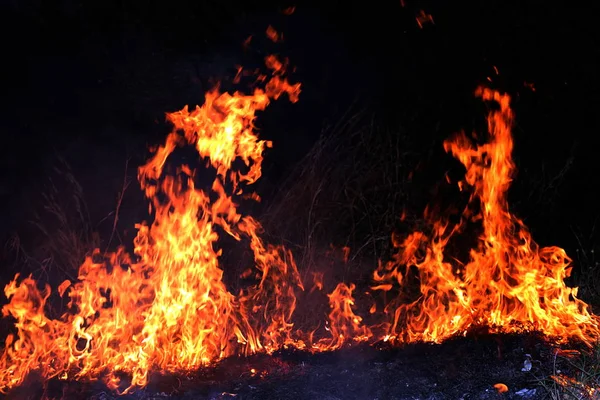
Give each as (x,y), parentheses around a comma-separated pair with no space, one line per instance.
(461,368)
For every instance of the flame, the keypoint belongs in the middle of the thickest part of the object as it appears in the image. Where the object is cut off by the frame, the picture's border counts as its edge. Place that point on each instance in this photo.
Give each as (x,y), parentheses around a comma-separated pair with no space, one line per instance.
(317,281)
(167,308)
(508,283)
(273,34)
(345,325)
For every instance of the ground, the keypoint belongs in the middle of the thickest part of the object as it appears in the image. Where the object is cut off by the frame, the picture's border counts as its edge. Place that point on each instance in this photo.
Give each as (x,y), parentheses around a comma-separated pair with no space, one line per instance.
(462,368)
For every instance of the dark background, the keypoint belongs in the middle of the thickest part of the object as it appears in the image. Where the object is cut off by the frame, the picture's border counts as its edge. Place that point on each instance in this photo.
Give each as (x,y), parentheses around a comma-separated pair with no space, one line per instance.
(90,81)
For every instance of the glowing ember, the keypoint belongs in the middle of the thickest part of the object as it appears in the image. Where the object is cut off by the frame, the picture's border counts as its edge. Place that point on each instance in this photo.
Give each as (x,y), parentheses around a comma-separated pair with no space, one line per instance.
(273,34)
(501,387)
(167,308)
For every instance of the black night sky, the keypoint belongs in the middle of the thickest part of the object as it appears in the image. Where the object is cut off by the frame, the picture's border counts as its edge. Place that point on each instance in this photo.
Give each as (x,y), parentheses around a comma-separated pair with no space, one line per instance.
(90,81)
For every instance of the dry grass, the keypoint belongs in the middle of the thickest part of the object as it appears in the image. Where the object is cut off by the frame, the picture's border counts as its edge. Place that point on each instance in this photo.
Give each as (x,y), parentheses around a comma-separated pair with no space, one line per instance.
(64,228)
(350,190)
(587,278)
(574,376)
(543,186)
(64,233)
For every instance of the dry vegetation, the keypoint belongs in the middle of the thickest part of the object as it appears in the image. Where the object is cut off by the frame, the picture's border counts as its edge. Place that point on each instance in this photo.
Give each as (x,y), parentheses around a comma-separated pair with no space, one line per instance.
(64,231)
(351,190)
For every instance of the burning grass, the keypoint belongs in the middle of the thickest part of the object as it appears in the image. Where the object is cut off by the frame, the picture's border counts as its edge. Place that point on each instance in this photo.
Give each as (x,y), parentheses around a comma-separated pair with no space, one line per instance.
(470,367)
(166,307)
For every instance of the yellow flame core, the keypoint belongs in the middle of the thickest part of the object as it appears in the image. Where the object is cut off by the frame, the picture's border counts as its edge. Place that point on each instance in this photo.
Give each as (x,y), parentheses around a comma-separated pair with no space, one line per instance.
(168,309)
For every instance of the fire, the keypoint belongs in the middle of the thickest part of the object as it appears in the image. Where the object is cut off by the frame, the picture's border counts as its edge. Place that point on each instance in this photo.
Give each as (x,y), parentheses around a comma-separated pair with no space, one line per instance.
(508,283)
(167,308)
(345,324)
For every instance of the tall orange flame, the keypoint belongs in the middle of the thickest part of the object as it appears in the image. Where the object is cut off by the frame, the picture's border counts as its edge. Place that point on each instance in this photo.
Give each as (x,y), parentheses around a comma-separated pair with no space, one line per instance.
(509,283)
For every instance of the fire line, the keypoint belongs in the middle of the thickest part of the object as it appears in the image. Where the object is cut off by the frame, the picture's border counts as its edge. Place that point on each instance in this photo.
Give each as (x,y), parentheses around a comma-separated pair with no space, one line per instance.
(166,307)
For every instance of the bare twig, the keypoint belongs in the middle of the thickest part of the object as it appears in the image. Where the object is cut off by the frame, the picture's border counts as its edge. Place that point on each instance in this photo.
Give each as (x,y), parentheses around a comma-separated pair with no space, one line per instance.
(120,196)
